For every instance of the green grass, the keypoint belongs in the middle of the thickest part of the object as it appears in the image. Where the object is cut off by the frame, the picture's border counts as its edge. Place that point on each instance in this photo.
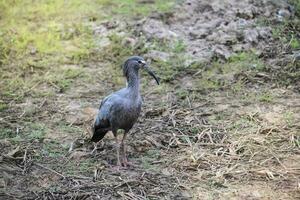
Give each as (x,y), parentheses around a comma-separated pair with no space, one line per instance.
(219,74)
(44,27)
(52,150)
(46,47)
(169,69)
(285,34)
(266,97)
(132,7)
(48,27)
(35,131)
(146,161)
(38,39)
(289,118)
(7,133)
(117,52)
(30,131)
(295,43)
(179,47)
(3,106)
(296,4)
(287,31)
(244,61)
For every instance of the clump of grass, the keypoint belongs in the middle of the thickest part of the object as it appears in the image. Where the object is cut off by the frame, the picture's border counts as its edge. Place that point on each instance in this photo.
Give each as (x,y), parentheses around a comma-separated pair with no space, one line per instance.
(219,74)
(7,133)
(31,131)
(52,149)
(296,5)
(286,34)
(3,106)
(244,61)
(295,43)
(36,131)
(179,47)
(289,117)
(169,69)
(266,97)
(181,93)
(287,40)
(63,77)
(287,31)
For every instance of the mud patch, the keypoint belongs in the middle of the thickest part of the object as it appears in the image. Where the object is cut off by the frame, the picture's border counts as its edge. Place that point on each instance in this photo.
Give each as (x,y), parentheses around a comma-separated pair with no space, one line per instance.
(216,28)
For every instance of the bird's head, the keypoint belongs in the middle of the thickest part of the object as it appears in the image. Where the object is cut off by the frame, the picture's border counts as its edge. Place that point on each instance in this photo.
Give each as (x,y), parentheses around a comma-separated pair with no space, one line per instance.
(136,63)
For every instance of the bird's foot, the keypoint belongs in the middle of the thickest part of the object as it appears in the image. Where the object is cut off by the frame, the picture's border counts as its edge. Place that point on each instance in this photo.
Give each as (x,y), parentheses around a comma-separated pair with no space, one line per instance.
(95,148)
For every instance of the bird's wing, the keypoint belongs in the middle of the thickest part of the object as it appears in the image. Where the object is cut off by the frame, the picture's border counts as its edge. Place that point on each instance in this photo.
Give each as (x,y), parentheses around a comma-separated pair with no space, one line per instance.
(103,114)
(102,124)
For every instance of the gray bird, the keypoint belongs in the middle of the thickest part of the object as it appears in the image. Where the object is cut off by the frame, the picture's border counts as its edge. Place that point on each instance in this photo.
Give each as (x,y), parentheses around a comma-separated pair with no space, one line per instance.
(121,109)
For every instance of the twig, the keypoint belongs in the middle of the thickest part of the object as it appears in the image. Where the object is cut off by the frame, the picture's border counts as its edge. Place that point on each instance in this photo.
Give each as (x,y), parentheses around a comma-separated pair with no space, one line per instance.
(213,144)
(51,170)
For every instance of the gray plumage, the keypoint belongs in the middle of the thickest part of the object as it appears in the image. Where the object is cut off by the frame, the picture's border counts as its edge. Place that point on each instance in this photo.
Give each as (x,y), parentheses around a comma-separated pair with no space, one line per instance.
(120,110)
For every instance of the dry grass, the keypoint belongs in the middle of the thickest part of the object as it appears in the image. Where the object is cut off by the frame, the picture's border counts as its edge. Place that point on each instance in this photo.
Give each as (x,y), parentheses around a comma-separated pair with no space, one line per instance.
(222,138)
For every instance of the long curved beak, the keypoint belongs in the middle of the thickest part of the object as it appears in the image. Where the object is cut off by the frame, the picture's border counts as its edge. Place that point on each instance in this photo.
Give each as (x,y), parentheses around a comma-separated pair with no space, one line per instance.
(151,73)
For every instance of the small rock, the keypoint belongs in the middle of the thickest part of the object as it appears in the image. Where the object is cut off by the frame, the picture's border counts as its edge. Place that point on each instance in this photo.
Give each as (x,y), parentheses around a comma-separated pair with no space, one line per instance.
(297,55)
(283,14)
(251,36)
(33,50)
(242,23)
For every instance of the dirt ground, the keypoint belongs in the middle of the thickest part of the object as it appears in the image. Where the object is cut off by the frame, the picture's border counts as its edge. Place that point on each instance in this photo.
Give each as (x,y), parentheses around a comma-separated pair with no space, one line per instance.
(224,123)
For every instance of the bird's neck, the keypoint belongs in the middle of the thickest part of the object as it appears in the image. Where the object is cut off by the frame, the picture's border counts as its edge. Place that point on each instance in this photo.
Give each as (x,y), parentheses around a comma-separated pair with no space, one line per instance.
(133,82)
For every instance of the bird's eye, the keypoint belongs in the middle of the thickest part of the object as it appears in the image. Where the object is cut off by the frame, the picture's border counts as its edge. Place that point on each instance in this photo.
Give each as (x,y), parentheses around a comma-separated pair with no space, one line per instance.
(140,62)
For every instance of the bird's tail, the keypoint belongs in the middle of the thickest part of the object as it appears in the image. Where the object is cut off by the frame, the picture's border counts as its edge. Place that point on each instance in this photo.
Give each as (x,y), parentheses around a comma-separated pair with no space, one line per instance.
(99,134)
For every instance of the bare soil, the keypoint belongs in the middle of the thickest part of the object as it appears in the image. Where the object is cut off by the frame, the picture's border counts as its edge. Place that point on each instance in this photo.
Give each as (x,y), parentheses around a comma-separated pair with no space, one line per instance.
(239,140)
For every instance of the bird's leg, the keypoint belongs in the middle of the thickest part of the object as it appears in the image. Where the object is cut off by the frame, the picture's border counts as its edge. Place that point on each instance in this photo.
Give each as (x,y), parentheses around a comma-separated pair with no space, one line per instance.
(124,157)
(117,148)
(95,147)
